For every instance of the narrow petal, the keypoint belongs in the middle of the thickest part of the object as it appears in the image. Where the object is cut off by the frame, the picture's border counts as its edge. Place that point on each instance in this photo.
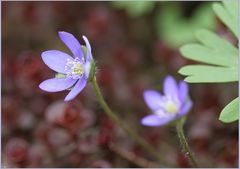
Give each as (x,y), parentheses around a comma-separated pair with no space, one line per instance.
(72,43)
(185,108)
(156,120)
(57,84)
(183,91)
(76,89)
(153,99)
(88,46)
(170,87)
(55,60)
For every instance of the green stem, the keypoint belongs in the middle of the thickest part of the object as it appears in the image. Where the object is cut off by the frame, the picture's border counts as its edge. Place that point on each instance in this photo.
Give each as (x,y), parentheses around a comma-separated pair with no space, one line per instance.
(184,143)
(113,116)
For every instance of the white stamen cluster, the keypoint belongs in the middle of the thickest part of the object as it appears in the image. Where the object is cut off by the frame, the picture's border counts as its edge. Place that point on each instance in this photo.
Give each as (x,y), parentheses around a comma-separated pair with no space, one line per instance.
(74,68)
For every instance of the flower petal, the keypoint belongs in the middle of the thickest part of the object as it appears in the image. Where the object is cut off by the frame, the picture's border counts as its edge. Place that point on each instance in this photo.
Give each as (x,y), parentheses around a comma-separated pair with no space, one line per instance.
(76,89)
(156,120)
(185,108)
(153,99)
(183,91)
(72,43)
(170,87)
(56,60)
(57,84)
(88,46)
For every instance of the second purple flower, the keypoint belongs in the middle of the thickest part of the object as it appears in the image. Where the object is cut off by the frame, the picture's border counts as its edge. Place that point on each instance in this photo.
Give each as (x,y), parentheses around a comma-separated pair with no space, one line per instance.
(173,104)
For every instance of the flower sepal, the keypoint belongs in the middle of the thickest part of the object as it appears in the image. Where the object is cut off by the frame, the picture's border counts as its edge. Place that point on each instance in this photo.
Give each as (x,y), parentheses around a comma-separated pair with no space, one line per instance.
(92,71)
(60,75)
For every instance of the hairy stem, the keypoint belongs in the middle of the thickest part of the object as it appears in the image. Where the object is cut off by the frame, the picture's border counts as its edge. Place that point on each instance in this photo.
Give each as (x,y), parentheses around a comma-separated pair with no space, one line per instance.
(125,127)
(184,143)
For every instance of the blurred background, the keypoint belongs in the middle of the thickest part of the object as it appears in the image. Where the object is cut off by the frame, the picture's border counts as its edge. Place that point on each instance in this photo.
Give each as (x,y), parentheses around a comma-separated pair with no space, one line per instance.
(135,45)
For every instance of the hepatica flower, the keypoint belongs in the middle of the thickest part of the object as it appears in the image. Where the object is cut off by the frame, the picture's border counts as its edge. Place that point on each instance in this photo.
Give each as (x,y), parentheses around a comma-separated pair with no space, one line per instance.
(173,104)
(74,70)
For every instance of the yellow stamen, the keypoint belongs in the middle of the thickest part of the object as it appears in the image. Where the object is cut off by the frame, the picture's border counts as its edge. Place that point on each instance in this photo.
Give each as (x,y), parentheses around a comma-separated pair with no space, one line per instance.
(171,107)
(77,69)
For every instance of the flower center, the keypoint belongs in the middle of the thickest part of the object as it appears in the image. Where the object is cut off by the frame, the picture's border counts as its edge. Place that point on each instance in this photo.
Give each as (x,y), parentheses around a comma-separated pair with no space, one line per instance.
(171,107)
(74,68)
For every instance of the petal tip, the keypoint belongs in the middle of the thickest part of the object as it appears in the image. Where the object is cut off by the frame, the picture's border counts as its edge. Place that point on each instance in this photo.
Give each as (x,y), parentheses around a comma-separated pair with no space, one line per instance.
(84,37)
(44,56)
(67,99)
(146,92)
(62,34)
(41,86)
(169,77)
(145,122)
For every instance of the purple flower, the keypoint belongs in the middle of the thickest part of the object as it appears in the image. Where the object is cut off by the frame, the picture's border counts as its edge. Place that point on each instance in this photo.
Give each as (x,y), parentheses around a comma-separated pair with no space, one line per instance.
(173,104)
(74,70)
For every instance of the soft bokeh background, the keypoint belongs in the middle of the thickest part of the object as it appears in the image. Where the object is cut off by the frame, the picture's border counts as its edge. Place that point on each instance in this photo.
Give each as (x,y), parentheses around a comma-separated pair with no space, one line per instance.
(135,46)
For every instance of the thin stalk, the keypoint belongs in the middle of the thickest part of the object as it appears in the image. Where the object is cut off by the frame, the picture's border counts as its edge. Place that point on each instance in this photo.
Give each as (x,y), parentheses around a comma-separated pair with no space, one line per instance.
(125,127)
(184,142)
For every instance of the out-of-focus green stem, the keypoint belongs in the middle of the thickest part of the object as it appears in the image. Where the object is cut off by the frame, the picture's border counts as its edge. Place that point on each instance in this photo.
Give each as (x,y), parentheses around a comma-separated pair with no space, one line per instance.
(184,143)
(125,127)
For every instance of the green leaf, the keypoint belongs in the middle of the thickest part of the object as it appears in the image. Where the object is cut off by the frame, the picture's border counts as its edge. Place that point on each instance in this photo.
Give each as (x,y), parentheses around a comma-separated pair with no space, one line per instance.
(134,8)
(208,74)
(230,113)
(228,13)
(211,49)
(175,29)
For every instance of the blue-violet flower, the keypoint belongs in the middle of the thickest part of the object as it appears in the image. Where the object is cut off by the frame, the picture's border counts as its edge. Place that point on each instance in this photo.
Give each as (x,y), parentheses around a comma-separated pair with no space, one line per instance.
(173,104)
(75,70)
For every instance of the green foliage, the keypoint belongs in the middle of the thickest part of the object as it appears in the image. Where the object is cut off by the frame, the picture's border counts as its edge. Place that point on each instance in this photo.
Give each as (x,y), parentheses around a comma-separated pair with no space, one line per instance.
(220,55)
(134,8)
(228,13)
(231,112)
(212,50)
(176,30)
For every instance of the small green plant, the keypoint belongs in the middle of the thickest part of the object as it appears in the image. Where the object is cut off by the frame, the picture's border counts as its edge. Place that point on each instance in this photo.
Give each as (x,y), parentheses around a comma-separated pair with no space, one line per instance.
(135,8)
(175,29)
(219,54)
